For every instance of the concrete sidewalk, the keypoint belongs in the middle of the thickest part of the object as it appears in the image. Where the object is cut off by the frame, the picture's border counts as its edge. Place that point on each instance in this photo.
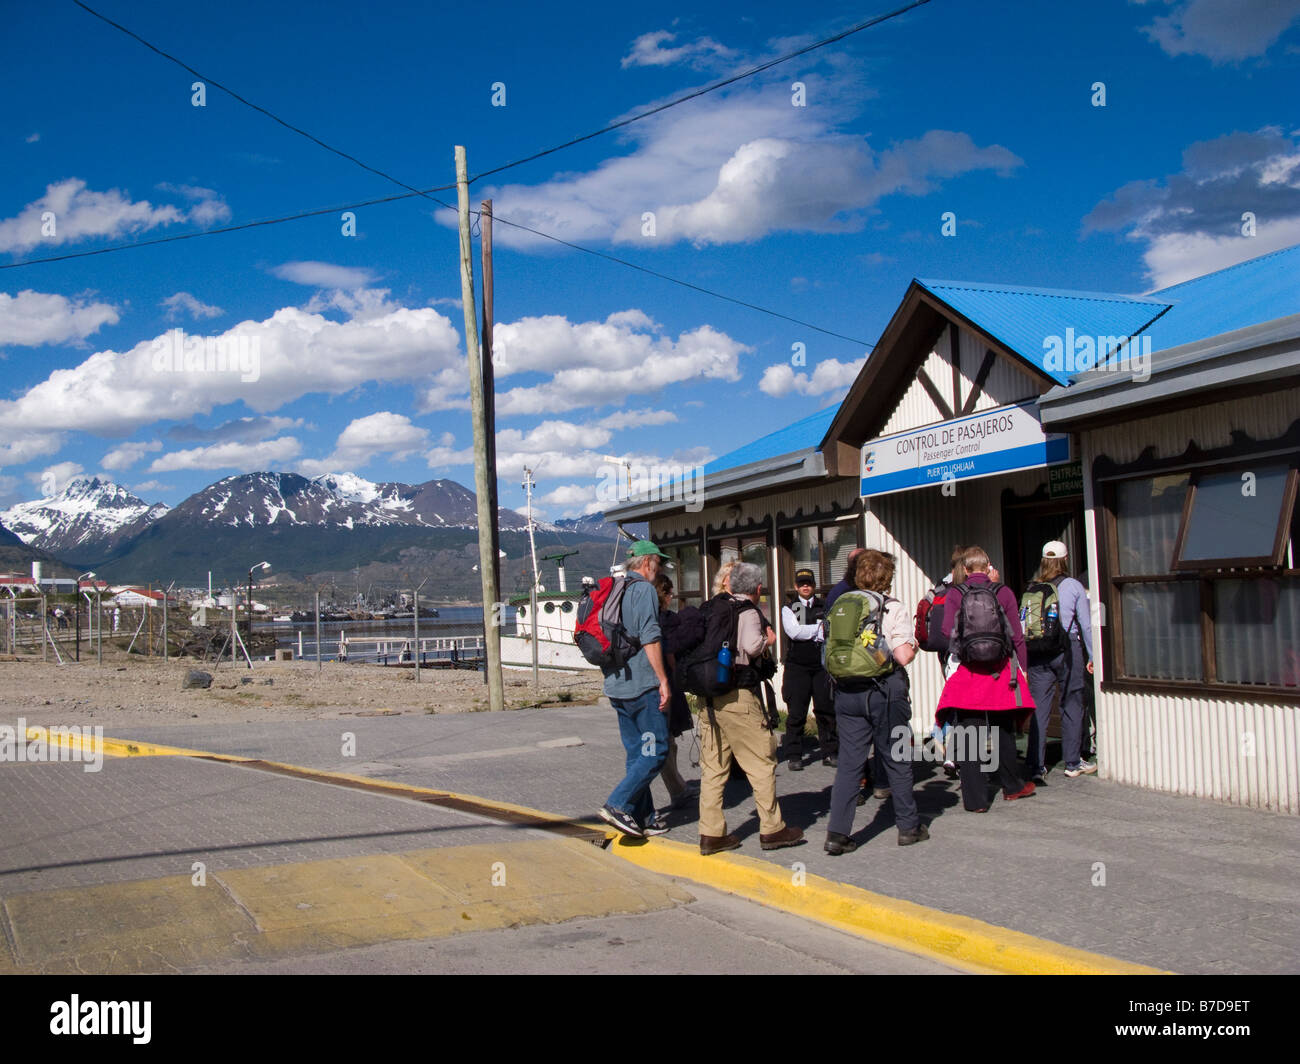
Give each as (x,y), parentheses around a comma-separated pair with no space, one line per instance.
(1175,883)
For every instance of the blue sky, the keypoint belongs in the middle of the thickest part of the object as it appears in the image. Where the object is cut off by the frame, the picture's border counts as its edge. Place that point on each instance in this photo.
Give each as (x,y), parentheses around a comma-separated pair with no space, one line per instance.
(823,212)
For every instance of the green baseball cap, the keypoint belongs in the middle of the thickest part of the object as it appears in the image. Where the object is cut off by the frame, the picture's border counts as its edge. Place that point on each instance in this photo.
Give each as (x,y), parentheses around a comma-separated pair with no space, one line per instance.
(643,547)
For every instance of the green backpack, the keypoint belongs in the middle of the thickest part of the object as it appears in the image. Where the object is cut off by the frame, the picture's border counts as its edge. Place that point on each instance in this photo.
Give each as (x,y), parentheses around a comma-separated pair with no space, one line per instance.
(1040,620)
(856,648)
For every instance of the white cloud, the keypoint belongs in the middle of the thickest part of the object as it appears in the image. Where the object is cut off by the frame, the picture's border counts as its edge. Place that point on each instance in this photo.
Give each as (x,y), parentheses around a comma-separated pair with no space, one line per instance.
(183,302)
(18,446)
(629,419)
(242,429)
(56,475)
(80,214)
(359,303)
(574,499)
(32,138)
(1192,222)
(595,362)
(829,375)
(323,275)
(367,437)
(150,485)
(30,318)
(115,393)
(1224,31)
(649,50)
(268,454)
(741,164)
(125,455)
(209,208)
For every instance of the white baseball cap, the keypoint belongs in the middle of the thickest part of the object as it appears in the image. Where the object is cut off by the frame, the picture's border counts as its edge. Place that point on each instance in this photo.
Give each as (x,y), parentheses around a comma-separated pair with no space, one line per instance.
(1054,549)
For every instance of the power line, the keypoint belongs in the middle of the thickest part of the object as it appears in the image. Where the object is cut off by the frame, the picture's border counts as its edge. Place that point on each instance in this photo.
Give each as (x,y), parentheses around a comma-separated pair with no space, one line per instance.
(225,228)
(427,193)
(248,103)
(704,91)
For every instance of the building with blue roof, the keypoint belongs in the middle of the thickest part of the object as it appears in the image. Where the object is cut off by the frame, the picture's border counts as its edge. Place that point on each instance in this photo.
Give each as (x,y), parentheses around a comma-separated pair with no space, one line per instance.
(1157,436)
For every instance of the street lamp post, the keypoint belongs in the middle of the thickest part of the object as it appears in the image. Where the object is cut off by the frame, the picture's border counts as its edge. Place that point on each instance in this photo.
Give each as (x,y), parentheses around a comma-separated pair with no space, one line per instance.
(259,565)
(77,615)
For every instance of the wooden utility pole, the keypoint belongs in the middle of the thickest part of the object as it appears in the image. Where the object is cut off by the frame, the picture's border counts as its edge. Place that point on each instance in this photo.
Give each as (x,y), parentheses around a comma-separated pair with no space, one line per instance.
(483,475)
(489,387)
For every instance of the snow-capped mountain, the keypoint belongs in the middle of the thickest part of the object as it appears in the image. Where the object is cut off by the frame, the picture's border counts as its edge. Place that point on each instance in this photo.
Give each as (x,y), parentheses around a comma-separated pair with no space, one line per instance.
(90,516)
(256,500)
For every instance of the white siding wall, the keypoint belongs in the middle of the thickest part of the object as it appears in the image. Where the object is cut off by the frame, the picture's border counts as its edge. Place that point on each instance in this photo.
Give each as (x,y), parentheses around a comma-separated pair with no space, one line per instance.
(1196,746)
(1006,384)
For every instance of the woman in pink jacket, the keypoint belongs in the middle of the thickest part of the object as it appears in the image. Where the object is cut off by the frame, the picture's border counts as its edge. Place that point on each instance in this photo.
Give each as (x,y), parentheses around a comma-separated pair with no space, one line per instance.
(983,698)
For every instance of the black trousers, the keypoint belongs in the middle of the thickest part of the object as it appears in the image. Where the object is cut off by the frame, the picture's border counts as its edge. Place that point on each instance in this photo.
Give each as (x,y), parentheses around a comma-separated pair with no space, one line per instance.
(801,684)
(970,730)
(880,717)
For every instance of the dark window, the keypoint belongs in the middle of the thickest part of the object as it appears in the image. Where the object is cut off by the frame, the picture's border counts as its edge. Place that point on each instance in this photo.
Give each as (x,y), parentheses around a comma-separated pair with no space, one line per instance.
(1202,576)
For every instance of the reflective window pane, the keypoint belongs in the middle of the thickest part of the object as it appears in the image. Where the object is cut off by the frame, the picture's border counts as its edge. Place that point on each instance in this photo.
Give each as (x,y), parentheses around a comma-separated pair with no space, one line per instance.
(1257,631)
(838,540)
(1162,630)
(1235,515)
(1147,515)
(805,552)
(686,575)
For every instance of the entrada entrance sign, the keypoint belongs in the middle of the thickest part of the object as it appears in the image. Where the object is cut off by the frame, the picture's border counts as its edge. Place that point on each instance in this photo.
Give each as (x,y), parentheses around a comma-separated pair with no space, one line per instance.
(977,445)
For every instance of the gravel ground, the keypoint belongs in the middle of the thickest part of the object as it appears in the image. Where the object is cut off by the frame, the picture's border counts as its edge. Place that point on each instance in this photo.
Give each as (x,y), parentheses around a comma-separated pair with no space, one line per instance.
(148,691)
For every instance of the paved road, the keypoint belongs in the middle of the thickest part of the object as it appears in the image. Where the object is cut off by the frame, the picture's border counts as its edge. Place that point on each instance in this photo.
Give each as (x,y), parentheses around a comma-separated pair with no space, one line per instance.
(1179,883)
(164,864)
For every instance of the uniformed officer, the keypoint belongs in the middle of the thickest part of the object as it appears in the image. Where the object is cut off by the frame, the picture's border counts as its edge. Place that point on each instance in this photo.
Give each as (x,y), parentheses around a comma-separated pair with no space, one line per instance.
(805,678)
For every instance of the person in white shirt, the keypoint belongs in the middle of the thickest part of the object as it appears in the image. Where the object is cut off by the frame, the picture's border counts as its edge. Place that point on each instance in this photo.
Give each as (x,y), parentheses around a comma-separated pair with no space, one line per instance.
(805,678)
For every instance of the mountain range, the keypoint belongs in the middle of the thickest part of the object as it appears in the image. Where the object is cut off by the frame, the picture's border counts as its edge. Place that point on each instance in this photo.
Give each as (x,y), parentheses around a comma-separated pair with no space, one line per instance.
(303,526)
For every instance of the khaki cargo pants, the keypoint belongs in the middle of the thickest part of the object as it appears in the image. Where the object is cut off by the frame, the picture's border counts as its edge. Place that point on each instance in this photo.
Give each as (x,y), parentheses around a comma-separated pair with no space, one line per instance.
(740,734)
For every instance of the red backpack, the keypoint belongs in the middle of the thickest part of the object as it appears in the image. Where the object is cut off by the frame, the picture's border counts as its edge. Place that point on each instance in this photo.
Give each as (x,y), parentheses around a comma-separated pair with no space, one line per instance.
(929,620)
(599,630)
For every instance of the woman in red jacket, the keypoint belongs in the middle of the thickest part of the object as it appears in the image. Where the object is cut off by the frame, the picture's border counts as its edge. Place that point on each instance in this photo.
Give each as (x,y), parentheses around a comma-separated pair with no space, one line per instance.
(992,695)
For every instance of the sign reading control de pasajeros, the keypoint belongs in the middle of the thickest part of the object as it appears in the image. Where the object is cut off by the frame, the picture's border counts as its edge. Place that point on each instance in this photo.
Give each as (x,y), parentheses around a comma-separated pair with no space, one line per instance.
(976,445)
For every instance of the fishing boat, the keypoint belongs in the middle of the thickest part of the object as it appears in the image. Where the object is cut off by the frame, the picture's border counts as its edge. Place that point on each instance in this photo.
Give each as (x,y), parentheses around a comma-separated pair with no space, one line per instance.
(549,634)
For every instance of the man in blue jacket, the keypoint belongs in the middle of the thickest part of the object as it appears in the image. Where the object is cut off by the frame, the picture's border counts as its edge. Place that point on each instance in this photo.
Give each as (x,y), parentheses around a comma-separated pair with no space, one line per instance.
(640,694)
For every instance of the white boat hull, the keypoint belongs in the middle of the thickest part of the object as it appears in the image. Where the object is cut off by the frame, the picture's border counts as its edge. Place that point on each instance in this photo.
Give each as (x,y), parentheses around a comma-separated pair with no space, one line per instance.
(517,653)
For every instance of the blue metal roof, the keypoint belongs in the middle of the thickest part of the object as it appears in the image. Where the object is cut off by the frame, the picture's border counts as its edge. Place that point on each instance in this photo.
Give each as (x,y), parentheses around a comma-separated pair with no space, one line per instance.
(805,434)
(1236,297)
(1021,319)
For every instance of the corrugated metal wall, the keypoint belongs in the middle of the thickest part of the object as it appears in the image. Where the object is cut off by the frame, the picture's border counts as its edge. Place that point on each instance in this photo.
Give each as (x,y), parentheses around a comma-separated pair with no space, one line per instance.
(920,528)
(1243,752)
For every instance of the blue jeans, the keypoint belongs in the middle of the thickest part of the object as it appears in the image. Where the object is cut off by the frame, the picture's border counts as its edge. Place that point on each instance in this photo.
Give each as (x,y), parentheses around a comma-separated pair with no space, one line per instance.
(643,728)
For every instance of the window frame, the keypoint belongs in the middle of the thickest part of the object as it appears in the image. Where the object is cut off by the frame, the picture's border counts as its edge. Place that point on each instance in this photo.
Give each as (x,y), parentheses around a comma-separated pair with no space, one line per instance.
(1107,476)
(1280,535)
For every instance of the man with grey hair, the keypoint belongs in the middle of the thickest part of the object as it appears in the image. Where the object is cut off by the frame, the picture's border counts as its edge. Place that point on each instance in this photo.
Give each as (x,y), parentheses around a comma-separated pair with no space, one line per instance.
(733,725)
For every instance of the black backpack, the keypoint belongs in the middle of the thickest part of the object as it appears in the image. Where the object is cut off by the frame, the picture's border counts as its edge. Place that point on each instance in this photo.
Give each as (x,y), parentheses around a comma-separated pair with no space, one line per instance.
(981,634)
(698,670)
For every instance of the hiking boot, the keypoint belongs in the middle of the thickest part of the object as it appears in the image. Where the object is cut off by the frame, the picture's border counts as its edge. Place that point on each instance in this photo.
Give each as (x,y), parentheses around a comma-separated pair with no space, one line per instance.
(796,764)
(880,792)
(787,836)
(1027,791)
(908,838)
(711,844)
(837,844)
(862,797)
(621,820)
(1083,768)
(830,760)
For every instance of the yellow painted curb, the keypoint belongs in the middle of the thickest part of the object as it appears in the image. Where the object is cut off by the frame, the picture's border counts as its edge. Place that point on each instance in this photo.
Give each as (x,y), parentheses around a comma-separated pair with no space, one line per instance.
(890,921)
(117,747)
(894,922)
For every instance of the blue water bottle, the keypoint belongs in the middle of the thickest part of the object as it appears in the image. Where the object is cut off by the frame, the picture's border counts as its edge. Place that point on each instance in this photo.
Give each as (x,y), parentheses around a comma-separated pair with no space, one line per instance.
(1052,613)
(724,665)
